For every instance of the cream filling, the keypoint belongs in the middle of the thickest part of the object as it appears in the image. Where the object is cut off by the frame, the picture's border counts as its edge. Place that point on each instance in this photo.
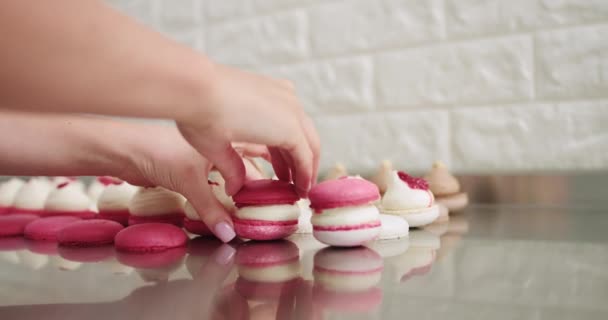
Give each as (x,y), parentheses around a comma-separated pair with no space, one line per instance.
(278,273)
(9,190)
(347,282)
(279,212)
(116,197)
(346,216)
(68,198)
(155,202)
(399,195)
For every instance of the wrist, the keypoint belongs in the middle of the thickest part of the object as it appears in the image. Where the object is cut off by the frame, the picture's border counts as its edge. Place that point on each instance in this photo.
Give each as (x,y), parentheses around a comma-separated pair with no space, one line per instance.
(198,80)
(104,146)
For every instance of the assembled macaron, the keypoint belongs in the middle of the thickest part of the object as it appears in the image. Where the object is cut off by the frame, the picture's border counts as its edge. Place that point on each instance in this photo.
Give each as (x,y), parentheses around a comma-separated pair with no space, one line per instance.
(344,213)
(266,210)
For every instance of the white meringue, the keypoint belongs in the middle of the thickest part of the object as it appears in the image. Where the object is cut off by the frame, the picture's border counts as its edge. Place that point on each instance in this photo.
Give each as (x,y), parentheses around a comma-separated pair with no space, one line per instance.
(400,196)
(116,197)
(33,194)
(9,190)
(156,201)
(68,196)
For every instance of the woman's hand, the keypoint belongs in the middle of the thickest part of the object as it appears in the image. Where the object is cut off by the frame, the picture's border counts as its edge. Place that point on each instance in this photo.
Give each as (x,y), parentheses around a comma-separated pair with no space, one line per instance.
(142,154)
(162,157)
(241,106)
(124,68)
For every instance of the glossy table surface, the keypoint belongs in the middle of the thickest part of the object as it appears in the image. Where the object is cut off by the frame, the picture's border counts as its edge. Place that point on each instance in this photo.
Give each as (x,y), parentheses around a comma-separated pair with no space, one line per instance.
(493,261)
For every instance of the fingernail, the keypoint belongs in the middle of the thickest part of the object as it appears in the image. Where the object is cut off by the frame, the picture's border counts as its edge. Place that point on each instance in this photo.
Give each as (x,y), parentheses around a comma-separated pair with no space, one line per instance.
(224,254)
(224,231)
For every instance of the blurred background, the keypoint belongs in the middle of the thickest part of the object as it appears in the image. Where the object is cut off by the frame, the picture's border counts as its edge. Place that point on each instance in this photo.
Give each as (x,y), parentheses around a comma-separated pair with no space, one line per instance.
(484,85)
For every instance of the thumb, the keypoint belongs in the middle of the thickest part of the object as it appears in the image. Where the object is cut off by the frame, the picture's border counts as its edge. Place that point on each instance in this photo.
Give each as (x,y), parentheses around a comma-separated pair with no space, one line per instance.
(230,164)
(209,210)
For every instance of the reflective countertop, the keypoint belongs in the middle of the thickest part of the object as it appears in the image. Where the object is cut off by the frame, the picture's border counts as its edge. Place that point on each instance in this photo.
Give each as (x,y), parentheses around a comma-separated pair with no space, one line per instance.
(501,260)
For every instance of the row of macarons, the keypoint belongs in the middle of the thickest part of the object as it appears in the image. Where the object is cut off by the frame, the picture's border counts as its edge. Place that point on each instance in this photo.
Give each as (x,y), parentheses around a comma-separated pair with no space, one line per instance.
(54,195)
(264,209)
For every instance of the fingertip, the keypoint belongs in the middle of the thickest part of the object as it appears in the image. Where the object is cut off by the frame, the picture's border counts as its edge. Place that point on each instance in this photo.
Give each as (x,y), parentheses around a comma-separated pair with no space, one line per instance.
(224,231)
(279,164)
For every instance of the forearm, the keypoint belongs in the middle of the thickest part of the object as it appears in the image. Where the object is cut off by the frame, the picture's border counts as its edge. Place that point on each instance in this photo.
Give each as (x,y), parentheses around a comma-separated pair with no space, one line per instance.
(83,56)
(46,144)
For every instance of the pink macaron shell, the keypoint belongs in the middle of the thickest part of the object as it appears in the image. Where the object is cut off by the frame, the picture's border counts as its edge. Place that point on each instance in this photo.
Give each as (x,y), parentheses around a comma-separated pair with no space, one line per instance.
(266,192)
(47,228)
(83,214)
(13,225)
(266,254)
(342,192)
(151,260)
(197,227)
(4,210)
(88,233)
(176,219)
(263,230)
(120,216)
(150,237)
(87,254)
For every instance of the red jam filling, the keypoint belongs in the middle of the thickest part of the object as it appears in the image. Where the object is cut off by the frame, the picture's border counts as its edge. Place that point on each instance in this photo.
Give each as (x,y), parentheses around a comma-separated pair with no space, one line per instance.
(63,184)
(413,182)
(213,183)
(107,180)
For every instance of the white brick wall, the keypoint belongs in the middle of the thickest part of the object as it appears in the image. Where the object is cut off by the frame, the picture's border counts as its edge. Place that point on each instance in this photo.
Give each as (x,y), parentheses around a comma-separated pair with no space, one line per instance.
(485,85)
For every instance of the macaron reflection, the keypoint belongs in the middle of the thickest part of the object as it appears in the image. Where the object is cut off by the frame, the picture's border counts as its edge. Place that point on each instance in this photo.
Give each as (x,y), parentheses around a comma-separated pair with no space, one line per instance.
(346,281)
(87,255)
(418,259)
(155,266)
(267,270)
(200,250)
